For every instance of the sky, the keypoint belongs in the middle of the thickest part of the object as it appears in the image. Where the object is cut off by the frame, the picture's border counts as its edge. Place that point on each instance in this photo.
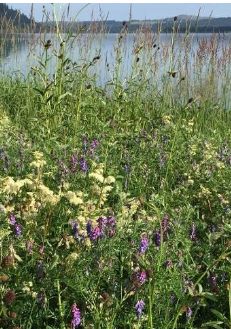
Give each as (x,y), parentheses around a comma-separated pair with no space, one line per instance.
(120,11)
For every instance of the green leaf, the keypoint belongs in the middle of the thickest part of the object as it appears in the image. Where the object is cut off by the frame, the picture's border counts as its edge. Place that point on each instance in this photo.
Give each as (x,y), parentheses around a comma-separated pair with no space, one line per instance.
(209,296)
(213,324)
(221,316)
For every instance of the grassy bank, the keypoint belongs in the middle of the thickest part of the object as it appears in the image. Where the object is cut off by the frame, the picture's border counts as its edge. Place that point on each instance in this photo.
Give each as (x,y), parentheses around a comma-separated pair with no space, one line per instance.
(115,199)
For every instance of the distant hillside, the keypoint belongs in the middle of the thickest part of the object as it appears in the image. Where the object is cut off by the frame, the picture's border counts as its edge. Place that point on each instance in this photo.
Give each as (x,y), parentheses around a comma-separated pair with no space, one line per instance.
(13,17)
(180,24)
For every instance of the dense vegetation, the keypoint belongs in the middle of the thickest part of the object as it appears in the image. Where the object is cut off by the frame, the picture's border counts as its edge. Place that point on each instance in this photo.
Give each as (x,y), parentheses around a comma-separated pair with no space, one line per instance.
(115,199)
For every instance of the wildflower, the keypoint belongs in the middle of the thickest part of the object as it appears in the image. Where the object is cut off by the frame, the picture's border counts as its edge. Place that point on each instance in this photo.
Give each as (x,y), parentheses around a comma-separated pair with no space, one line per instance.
(93,145)
(143,245)
(18,230)
(157,238)
(193,232)
(12,219)
(142,277)
(83,164)
(89,228)
(75,232)
(75,322)
(139,307)
(95,234)
(189,313)
(165,223)
(212,280)
(41,249)
(168,263)
(102,223)
(212,228)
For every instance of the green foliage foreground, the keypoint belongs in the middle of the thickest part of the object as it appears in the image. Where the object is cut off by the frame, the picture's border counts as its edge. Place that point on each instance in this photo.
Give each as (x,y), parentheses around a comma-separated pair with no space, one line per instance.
(114,201)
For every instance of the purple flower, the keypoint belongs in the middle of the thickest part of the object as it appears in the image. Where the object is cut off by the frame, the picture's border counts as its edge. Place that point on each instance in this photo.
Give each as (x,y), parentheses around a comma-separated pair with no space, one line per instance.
(143,245)
(89,227)
(41,299)
(12,219)
(95,234)
(212,280)
(168,263)
(75,231)
(75,322)
(139,307)
(18,230)
(142,277)
(102,223)
(189,313)
(41,249)
(165,223)
(157,238)
(111,221)
(94,144)
(83,164)
(212,228)
(193,232)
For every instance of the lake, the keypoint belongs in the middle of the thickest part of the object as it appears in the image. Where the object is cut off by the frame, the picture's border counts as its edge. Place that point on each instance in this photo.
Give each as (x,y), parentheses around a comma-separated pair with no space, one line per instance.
(190,56)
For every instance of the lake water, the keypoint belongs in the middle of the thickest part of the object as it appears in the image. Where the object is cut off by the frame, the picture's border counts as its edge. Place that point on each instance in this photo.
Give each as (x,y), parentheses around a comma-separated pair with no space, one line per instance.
(158,54)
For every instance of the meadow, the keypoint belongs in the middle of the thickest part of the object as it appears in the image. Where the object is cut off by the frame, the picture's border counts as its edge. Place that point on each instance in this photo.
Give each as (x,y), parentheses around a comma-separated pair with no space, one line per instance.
(115,198)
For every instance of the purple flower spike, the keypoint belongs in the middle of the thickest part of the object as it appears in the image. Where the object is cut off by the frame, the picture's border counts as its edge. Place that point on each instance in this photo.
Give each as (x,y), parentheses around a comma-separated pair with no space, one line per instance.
(83,164)
(157,238)
(143,245)
(18,230)
(12,219)
(75,322)
(89,227)
(95,234)
(139,308)
(165,223)
(142,277)
(75,231)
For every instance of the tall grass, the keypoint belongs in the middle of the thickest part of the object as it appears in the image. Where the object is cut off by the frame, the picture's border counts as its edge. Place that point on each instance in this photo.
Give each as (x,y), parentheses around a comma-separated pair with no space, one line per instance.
(115,196)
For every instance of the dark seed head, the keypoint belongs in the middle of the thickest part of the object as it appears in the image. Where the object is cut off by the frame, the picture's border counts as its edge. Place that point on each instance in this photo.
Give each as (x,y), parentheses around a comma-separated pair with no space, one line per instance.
(190,100)
(175,18)
(7,262)
(137,59)
(9,297)
(4,278)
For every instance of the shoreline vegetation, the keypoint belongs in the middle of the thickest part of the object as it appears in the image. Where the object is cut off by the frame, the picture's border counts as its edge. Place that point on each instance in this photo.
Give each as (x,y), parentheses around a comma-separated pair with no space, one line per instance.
(115,199)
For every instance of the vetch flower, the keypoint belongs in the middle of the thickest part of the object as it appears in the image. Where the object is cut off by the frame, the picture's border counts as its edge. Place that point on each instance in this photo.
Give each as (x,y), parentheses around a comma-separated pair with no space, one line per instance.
(18,230)
(75,231)
(142,277)
(143,245)
(12,219)
(189,313)
(157,238)
(75,322)
(139,307)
